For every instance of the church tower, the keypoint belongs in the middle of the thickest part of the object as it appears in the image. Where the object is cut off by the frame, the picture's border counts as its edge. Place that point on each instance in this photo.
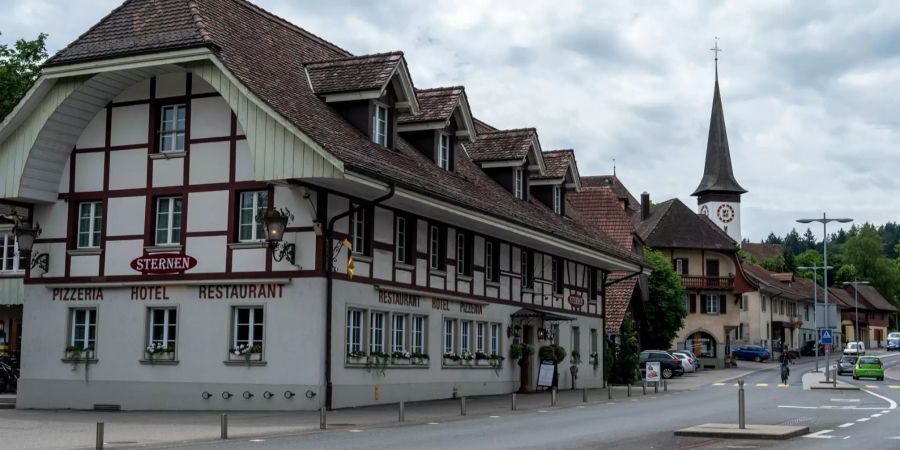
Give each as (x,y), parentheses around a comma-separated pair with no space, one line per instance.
(719,194)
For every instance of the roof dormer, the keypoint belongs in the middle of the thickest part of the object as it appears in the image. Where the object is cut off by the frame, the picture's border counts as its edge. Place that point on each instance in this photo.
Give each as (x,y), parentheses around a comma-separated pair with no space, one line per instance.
(369,91)
(560,177)
(510,157)
(443,121)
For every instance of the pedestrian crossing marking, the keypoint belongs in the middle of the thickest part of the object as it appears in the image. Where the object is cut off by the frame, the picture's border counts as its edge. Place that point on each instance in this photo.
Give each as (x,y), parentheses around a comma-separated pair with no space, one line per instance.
(718,384)
(762,384)
(894,386)
(871,386)
(784,385)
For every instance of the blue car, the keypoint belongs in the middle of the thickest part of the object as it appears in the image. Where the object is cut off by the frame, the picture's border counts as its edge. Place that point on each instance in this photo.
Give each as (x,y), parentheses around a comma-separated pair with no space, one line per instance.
(754,352)
(893,344)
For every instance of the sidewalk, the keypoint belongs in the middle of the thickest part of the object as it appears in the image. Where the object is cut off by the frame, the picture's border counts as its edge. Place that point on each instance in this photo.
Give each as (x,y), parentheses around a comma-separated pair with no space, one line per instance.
(59,429)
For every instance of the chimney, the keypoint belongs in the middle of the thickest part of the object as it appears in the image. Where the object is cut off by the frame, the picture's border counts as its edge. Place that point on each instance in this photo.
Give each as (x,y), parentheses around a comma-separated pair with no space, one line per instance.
(645,206)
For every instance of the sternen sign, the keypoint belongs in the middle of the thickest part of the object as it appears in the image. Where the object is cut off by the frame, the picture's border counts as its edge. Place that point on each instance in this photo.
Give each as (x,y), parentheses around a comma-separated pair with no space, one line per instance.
(163,263)
(652,371)
(577,301)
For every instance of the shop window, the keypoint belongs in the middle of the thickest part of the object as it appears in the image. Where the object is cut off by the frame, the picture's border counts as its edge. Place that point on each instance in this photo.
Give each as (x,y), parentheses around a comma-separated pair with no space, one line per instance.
(701,344)
(248,331)
(449,336)
(172,128)
(90,224)
(398,333)
(354,332)
(418,334)
(168,220)
(253,205)
(594,341)
(82,329)
(162,332)
(10,258)
(495,338)
(376,332)
(576,339)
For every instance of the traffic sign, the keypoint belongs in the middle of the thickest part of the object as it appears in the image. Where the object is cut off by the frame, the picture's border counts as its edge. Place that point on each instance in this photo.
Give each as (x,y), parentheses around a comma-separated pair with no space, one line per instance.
(826,336)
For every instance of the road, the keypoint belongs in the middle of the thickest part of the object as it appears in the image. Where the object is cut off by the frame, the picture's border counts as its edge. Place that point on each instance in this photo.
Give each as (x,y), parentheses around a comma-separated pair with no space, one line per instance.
(862,419)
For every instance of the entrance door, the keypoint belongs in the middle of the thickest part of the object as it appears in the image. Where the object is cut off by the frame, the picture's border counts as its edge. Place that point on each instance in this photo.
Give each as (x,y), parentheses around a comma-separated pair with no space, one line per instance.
(525,363)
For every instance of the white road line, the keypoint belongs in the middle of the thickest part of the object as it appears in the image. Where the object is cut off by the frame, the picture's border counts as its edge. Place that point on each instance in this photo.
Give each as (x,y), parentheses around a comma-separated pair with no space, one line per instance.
(875,415)
(864,419)
(848,400)
(886,411)
(798,407)
(819,434)
(845,425)
(890,401)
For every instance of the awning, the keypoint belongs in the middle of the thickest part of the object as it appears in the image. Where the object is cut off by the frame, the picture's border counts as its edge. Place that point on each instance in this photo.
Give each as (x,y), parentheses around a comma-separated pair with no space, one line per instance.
(529,313)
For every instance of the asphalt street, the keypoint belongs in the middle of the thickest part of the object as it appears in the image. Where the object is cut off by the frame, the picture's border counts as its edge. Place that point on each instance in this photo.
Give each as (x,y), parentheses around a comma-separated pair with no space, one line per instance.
(837,419)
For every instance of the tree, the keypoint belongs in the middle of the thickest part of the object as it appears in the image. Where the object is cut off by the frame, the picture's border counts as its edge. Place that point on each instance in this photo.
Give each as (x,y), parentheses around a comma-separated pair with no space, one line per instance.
(772,239)
(665,310)
(810,258)
(627,360)
(809,240)
(865,252)
(19,67)
(792,242)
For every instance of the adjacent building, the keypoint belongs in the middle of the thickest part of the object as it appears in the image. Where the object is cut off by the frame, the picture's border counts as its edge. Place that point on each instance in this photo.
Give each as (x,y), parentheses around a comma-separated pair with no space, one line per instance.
(865,316)
(239,215)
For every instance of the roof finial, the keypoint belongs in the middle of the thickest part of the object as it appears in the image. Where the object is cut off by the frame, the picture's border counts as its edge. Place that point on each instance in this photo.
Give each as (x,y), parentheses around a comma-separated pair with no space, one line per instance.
(614,166)
(716,51)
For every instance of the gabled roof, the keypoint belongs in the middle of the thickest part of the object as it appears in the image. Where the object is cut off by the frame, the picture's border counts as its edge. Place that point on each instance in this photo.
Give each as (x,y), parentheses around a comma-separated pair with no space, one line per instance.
(268,56)
(872,297)
(718,176)
(807,285)
(502,145)
(762,252)
(483,127)
(671,224)
(632,204)
(600,207)
(766,281)
(784,277)
(439,106)
(558,164)
(618,299)
(840,297)
(354,73)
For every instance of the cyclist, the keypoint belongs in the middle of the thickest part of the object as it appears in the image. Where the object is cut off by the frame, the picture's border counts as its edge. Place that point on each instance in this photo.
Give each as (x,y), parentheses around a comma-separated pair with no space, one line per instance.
(785,370)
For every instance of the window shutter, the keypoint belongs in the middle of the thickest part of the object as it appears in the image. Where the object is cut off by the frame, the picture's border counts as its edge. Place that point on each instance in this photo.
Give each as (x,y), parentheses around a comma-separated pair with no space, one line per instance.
(702,304)
(692,307)
(684,267)
(723,299)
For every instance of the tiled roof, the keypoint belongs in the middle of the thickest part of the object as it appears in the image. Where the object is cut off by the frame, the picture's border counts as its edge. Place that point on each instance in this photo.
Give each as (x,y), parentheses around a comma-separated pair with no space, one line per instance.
(618,298)
(501,145)
(483,127)
(269,56)
(872,297)
(806,285)
(763,252)
(632,206)
(355,73)
(434,104)
(840,297)
(784,277)
(557,163)
(600,207)
(672,224)
(764,279)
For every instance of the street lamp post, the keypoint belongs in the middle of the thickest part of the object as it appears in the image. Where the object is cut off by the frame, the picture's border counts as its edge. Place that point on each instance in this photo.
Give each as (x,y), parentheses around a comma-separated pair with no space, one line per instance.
(815,269)
(856,284)
(824,221)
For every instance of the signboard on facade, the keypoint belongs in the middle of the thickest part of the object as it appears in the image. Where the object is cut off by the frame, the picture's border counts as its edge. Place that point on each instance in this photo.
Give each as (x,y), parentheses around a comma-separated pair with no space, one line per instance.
(161,263)
(576,300)
(652,371)
(545,374)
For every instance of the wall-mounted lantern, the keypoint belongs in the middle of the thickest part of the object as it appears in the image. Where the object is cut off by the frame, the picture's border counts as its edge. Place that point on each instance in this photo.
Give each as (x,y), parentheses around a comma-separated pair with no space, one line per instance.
(275,222)
(25,237)
(542,334)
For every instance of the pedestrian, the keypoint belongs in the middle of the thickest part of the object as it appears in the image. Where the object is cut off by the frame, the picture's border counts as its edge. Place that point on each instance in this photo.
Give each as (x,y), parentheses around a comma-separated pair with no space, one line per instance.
(785,370)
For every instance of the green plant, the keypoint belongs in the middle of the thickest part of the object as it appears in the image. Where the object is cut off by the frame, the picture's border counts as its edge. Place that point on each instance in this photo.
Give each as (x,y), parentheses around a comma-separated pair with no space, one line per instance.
(452,356)
(401,355)
(378,361)
(553,353)
(576,357)
(357,354)
(479,356)
(595,360)
(520,351)
(419,355)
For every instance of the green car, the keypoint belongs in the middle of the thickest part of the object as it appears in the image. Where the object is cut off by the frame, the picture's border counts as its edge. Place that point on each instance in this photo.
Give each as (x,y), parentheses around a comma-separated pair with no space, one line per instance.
(868,367)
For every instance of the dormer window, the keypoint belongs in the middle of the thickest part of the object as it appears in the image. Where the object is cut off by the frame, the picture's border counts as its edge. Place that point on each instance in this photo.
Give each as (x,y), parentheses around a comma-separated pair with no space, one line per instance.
(557,199)
(380,126)
(519,187)
(443,155)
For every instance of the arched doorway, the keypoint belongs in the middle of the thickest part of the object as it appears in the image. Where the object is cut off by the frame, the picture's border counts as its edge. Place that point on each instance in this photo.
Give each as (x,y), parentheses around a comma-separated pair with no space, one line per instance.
(702,344)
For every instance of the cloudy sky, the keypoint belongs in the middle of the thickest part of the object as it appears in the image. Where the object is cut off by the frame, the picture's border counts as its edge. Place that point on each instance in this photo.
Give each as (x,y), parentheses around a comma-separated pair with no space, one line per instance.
(810,89)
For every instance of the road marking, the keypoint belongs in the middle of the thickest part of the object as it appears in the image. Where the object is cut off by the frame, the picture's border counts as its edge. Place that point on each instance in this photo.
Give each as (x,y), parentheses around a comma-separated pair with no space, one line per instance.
(257,440)
(762,384)
(433,423)
(798,407)
(819,434)
(784,385)
(845,425)
(355,431)
(894,386)
(864,419)
(890,401)
(718,384)
(875,415)
(886,411)
(871,386)
(851,400)
(497,417)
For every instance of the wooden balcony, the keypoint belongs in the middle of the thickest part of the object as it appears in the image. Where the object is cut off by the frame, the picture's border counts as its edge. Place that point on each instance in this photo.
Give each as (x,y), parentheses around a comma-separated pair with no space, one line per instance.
(700,282)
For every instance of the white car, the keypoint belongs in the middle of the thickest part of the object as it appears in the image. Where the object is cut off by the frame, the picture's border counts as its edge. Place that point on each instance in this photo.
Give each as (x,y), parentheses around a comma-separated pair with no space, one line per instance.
(894,335)
(686,361)
(855,348)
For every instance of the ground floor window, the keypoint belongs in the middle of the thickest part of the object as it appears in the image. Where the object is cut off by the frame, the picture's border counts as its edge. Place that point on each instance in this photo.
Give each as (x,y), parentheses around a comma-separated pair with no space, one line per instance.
(376,333)
(355,333)
(418,335)
(701,344)
(162,329)
(398,333)
(465,334)
(382,335)
(248,332)
(479,337)
(82,330)
(449,336)
(495,338)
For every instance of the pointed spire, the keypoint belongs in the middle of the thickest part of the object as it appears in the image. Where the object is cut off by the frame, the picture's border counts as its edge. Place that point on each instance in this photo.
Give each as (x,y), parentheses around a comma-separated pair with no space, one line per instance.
(718,176)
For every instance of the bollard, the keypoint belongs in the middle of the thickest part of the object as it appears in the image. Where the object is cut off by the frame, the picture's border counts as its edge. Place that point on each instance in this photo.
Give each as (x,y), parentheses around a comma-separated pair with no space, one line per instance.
(834,378)
(609,392)
(322,423)
(656,387)
(741,417)
(462,406)
(99,436)
(552,396)
(584,395)
(628,389)
(644,387)
(223,423)
(402,412)
(513,402)
(665,385)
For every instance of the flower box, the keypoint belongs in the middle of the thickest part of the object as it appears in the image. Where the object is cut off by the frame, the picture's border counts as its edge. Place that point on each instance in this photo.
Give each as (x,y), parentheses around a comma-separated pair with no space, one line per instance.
(451,362)
(160,356)
(80,355)
(400,361)
(357,360)
(420,361)
(482,362)
(245,357)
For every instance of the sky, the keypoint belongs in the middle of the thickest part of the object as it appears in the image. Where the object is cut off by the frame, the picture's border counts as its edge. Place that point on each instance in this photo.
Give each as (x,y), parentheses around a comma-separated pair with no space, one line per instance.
(810,89)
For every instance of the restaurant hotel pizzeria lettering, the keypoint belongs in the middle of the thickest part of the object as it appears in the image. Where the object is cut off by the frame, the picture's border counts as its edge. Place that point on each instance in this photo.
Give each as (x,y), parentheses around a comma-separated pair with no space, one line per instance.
(235,214)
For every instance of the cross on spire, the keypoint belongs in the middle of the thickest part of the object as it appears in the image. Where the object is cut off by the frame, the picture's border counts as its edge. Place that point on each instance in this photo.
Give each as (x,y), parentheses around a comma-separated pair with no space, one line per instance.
(716,51)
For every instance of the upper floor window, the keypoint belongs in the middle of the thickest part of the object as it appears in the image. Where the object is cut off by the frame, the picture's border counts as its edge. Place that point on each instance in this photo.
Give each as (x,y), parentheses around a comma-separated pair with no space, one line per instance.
(171,128)
(90,224)
(443,156)
(253,204)
(461,254)
(10,258)
(358,231)
(491,257)
(519,184)
(526,269)
(712,304)
(405,240)
(168,220)
(557,200)
(380,126)
(436,248)
(557,270)
(680,265)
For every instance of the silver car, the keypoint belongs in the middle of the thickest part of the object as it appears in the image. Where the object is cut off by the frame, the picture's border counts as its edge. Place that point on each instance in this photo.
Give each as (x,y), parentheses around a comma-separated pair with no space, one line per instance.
(687,362)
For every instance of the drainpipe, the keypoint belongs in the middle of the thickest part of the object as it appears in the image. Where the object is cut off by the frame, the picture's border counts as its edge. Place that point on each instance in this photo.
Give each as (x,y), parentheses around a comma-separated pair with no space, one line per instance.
(329,270)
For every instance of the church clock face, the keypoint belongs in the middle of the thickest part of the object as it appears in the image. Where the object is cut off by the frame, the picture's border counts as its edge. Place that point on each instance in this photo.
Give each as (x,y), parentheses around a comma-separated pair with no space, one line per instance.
(704,210)
(725,213)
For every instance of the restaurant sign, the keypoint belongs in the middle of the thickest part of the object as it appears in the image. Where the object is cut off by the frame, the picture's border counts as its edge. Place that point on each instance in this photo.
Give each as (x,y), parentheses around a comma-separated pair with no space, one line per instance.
(576,300)
(161,263)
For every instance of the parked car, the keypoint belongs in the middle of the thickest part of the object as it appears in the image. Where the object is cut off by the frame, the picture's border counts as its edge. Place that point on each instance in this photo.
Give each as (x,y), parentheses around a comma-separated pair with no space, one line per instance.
(893,344)
(754,352)
(869,367)
(846,364)
(855,348)
(692,355)
(686,362)
(807,349)
(894,335)
(669,365)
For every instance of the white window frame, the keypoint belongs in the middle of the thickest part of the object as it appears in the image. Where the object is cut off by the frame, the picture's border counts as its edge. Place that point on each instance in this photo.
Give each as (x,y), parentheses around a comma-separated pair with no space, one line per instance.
(419,329)
(14,262)
(377,333)
(460,253)
(434,247)
(380,125)
(356,319)
(169,327)
(554,275)
(449,344)
(400,244)
(523,263)
(251,324)
(175,130)
(489,260)
(358,231)
(443,156)
(398,332)
(495,339)
(465,337)
(87,327)
(94,226)
(480,337)
(259,203)
(557,199)
(171,227)
(519,183)
(712,304)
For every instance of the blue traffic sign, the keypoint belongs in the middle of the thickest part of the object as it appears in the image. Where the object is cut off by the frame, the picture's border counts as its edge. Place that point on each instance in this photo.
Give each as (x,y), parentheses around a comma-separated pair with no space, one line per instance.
(826,336)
